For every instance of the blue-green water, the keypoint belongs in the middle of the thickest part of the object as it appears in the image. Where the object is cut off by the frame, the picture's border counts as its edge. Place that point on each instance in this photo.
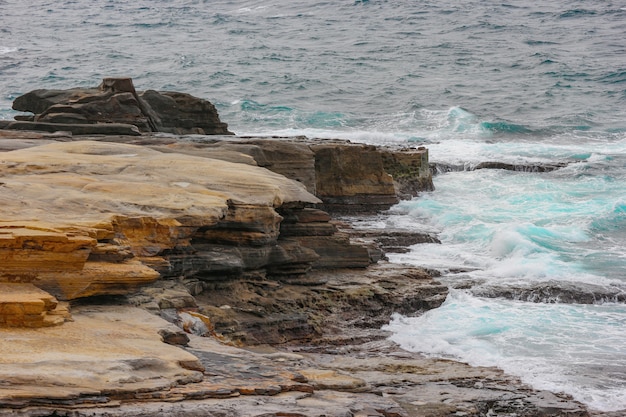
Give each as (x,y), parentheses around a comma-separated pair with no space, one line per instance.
(518,82)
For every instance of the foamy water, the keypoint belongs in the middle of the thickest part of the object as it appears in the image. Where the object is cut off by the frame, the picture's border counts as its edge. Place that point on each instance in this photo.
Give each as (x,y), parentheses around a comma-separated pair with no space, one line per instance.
(530,83)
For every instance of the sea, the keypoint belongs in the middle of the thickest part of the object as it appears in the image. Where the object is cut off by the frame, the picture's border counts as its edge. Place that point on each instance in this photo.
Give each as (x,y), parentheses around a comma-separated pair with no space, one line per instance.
(535,256)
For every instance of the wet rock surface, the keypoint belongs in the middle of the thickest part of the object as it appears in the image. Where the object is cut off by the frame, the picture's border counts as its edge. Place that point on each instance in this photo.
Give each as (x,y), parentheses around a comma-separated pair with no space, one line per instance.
(439,168)
(555,292)
(110,362)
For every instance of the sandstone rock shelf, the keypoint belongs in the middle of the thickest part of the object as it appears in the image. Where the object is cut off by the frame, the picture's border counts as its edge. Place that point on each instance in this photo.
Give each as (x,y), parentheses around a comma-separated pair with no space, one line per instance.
(227,249)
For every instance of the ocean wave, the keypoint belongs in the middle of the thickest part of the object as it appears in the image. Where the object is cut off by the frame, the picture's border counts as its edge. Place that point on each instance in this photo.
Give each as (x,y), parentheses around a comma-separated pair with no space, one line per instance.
(613,220)
(416,126)
(504,127)
(614,77)
(4,50)
(524,227)
(577,13)
(544,344)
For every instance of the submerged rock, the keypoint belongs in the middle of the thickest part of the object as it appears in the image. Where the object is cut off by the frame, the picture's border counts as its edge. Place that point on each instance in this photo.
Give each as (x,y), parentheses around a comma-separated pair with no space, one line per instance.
(440,168)
(555,292)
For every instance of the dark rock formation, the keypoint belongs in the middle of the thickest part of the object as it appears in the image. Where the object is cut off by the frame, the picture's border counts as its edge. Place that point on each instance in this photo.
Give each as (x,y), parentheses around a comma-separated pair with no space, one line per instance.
(181,113)
(439,168)
(394,240)
(319,307)
(409,169)
(520,167)
(555,292)
(116,102)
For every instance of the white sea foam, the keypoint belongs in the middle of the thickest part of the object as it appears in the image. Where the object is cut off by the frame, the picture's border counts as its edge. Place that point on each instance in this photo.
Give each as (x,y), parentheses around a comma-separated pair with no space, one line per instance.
(7,50)
(512,229)
(577,349)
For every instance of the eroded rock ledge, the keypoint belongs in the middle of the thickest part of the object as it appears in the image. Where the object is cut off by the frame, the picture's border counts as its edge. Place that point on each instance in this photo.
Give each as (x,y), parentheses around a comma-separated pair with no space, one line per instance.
(219,248)
(86,218)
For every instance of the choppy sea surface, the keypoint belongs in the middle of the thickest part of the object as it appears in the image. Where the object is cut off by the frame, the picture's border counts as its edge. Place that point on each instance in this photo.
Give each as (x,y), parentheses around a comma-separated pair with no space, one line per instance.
(522,82)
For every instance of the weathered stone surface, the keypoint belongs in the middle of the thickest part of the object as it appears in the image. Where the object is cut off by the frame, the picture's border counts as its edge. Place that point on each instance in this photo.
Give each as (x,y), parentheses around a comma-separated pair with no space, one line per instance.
(104,355)
(348,177)
(336,251)
(174,336)
(114,108)
(24,305)
(76,129)
(293,158)
(316,306)
(352,178)
(111,362)
(203,149)
(410,171)
(29,248)
(306,222)
(181,113)
(38,101)
(137,207)
(357,178)
(96,278)
(244,224)
(390,239)
(432,387)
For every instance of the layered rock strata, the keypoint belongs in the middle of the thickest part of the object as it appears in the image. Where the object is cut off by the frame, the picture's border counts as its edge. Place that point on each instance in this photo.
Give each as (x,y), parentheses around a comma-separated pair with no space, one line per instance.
(347,177)
(24,305)
(228,250)
(110,362)
(88,218)
(116,108)
(144,214)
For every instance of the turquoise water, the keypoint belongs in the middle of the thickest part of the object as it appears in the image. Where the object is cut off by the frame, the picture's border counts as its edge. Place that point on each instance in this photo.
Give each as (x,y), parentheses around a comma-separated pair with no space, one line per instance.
(560,347)
(525,83)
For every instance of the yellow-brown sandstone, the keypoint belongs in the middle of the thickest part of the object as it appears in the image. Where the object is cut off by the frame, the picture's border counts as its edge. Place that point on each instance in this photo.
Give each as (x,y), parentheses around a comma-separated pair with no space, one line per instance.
(89,218)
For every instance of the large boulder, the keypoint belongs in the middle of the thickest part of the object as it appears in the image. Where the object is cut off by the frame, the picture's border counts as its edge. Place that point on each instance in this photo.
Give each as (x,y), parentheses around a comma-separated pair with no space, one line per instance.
(182,113)
(115,102)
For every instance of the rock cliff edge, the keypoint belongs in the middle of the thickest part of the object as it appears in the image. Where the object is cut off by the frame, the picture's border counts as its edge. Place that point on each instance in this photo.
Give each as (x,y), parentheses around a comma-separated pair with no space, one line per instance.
(144,274)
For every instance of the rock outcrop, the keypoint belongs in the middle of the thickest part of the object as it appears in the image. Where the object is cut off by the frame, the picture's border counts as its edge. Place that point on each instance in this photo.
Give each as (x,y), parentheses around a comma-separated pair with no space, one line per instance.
(24,305)
(231,243)
(439,168)
(116,108)
(111,362)
(89,218)
(347,177)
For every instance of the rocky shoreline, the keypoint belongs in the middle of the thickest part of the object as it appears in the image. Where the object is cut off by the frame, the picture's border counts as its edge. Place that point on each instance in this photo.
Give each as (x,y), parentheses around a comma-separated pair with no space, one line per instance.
(150,269)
